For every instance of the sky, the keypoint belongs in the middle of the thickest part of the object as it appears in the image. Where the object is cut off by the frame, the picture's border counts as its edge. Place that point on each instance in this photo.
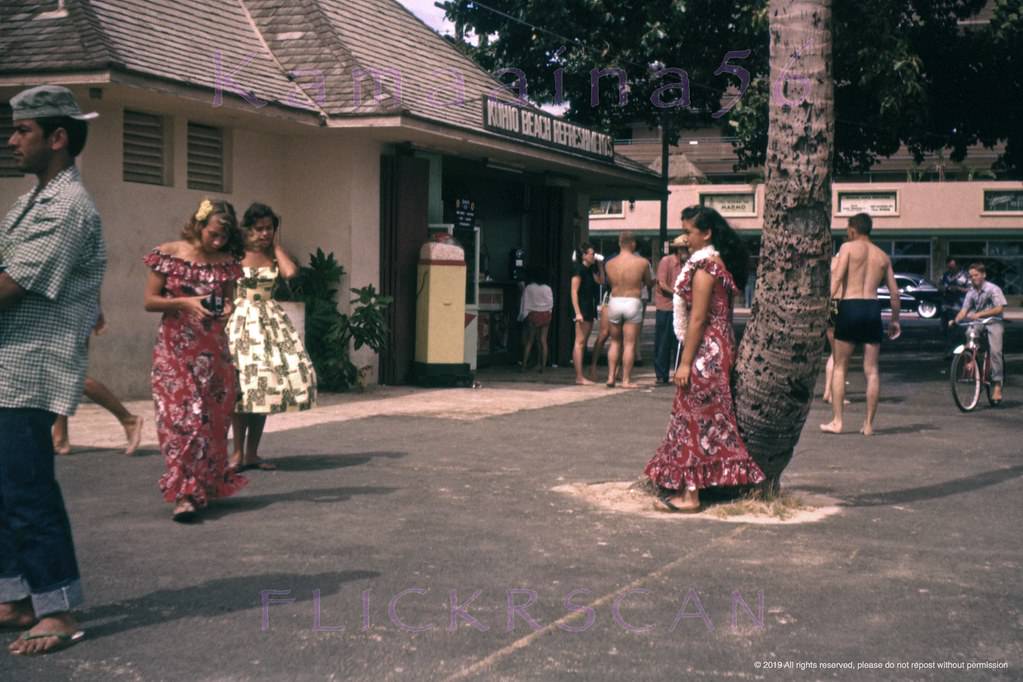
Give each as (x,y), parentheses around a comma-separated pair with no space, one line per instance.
(433,16)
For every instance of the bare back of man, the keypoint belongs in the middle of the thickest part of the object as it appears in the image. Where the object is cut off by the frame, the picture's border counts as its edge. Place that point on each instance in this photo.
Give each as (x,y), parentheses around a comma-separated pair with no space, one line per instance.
(860,269)
(628,273)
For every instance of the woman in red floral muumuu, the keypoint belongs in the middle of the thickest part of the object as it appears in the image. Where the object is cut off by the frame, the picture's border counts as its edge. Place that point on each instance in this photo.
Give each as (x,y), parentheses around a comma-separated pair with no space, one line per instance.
(703,447)
(191,281)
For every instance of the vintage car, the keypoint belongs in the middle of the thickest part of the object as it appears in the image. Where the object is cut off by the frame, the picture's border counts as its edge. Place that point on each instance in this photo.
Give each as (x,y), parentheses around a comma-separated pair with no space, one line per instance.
(915,293)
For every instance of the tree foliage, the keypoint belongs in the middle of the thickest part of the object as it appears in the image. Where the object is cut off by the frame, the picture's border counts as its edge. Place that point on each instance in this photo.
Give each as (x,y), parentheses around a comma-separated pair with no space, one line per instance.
(907,72)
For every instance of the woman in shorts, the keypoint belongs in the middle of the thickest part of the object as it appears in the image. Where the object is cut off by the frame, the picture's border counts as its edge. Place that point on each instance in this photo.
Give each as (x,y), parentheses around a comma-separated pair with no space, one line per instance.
(537,309)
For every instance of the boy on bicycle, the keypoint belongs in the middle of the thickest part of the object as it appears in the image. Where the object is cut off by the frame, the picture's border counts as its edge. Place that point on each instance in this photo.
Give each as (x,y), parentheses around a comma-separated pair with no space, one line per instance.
(984,300)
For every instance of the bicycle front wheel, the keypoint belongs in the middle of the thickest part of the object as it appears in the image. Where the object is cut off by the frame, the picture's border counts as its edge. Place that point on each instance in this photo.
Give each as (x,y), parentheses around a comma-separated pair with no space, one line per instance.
(965,380)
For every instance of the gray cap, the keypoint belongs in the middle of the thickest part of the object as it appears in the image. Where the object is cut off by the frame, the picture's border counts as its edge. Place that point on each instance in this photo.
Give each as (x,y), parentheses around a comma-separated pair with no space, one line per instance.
(44,101)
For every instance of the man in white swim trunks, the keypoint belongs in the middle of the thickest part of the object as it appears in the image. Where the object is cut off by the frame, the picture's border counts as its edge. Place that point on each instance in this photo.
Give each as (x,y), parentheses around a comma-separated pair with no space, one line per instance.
(628,273)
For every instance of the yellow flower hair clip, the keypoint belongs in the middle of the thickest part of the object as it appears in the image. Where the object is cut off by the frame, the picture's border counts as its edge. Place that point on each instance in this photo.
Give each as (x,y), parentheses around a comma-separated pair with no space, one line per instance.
(205,209)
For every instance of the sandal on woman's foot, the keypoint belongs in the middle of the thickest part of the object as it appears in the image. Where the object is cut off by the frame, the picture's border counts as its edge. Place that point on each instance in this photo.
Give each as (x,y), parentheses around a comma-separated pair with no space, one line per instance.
(663,503)
(185,512)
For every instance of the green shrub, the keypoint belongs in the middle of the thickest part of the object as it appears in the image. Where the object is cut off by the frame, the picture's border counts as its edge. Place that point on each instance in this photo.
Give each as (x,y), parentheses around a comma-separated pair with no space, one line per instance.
(328,331)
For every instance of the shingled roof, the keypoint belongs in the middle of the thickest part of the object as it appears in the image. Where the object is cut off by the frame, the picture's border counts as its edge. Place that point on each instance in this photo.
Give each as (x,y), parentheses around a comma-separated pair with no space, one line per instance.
(194,42)
(312,56)
(304,54)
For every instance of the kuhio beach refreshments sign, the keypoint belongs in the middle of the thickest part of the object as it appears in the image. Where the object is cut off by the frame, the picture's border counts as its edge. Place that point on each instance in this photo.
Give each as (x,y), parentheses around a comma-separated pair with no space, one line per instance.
(537,126)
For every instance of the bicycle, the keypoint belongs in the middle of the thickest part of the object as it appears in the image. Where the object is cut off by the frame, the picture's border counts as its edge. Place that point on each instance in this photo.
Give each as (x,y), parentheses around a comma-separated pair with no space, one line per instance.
(971,367)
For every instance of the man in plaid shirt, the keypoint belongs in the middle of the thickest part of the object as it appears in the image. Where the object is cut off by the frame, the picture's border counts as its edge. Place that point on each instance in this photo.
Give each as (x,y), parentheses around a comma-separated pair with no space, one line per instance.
(53,258)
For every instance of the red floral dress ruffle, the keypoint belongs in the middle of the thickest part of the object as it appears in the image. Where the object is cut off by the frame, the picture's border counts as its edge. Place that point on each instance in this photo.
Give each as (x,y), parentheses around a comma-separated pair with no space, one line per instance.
(702,447)
(194,385)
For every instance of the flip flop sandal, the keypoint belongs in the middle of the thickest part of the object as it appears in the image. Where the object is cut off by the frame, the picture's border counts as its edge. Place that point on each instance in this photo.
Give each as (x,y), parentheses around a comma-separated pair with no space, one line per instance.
(185,515)
(261,465)
(64,641)
(670,508)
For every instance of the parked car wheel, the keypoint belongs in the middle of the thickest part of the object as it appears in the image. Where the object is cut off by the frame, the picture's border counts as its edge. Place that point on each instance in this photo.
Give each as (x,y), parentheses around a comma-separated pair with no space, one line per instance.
(926,309)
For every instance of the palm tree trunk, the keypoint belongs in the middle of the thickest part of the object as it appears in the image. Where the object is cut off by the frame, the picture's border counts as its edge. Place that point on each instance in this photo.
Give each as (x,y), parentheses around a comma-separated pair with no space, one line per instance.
(780,355)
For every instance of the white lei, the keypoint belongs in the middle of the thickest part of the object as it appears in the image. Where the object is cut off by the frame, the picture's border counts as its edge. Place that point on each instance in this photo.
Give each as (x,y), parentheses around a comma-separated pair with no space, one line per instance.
(681,321)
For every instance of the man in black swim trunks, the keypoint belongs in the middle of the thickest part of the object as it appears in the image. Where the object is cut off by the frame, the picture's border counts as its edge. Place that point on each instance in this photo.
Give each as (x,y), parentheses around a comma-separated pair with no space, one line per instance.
(584,304)
(860,269)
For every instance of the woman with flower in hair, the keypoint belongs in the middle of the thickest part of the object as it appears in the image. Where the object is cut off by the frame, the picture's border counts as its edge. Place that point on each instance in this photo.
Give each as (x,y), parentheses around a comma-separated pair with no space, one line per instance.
(191,282)
(275,373)
(703,447)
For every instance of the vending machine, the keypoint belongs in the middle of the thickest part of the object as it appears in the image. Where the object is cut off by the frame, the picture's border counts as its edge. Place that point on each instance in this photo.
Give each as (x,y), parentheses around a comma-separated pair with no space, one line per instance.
(440,314)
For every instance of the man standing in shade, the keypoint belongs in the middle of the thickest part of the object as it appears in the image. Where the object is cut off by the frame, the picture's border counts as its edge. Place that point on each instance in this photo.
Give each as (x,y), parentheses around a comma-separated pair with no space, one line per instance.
(665,345)
(628,273)
(954,283)
(53,259)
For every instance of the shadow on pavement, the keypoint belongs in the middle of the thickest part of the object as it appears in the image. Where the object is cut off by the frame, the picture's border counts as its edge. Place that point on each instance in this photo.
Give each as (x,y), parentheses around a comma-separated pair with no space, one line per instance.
(927,492)
(210,599)
(234,505)
(324,462)
(908,428)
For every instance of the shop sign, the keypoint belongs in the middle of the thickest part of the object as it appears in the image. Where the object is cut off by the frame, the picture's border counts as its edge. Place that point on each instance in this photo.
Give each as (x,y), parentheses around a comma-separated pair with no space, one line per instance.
(543,128)
(465,214)
(731,204)
(871,203)
(1003,201)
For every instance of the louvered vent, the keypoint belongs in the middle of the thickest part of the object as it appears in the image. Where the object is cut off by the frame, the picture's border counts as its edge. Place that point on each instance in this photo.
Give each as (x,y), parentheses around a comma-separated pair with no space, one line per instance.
(144,148)
(205,158)
(8,169)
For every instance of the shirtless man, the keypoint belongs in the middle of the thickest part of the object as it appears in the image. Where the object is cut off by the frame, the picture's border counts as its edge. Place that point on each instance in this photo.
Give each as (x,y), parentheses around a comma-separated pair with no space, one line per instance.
(860,270)
(628,273)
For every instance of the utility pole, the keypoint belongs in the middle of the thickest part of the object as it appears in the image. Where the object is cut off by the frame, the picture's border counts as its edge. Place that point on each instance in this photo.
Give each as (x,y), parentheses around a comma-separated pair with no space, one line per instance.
(664,183)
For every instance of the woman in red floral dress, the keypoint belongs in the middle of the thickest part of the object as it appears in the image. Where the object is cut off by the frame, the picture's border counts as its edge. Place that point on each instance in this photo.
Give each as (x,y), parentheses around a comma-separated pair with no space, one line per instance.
(193,378)
(702,447)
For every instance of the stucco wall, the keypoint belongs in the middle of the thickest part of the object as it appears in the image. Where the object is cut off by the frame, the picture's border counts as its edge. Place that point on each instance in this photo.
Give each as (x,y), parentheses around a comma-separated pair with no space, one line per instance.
(332,188)
(924,206)
(324,183)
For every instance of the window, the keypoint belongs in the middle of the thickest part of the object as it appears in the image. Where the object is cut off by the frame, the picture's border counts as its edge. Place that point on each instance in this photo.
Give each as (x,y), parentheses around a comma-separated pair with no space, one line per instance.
(206,158)
(607,208)
(8,169)
(1003,260)
(731,204)
(1008,201)
(145,149)
(909,256)
(871,203)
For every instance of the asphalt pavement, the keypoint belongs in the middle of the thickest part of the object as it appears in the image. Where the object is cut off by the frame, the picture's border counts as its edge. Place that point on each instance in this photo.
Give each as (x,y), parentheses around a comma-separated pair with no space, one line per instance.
(417,535)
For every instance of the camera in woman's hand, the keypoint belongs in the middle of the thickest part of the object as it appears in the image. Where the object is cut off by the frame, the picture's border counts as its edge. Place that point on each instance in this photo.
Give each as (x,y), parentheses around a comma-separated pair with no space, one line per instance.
(214,303)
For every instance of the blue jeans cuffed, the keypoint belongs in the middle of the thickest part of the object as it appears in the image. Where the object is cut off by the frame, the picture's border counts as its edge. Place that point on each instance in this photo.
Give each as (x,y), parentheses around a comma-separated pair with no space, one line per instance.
(36,548)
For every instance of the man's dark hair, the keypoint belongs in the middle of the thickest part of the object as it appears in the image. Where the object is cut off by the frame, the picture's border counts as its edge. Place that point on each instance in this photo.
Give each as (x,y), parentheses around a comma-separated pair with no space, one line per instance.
(77,131)
(862,223)
(979,267)
(689,212)
(584,247)
(949,260)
